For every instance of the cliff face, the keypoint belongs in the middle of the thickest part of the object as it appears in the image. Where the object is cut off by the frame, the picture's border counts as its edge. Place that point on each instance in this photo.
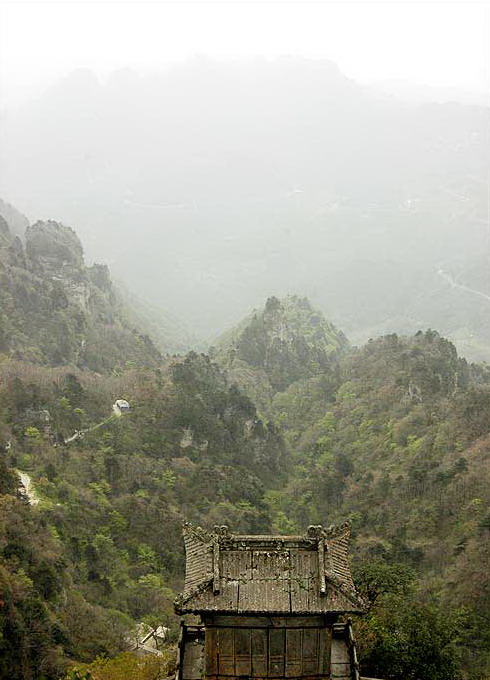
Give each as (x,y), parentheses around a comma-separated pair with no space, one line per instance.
(55,310)
(56,251)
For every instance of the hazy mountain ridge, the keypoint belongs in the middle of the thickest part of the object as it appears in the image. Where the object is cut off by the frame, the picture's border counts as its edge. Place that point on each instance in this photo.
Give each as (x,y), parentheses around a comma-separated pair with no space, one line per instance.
(55,310)
(282,176)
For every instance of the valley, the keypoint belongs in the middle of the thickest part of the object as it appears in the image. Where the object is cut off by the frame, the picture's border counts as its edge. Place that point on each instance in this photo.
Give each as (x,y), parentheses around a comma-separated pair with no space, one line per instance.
(213,185)
(282,424)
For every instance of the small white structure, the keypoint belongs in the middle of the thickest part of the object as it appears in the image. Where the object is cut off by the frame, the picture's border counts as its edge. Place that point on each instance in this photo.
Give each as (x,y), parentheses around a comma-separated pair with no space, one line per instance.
(148,640)
(121,406)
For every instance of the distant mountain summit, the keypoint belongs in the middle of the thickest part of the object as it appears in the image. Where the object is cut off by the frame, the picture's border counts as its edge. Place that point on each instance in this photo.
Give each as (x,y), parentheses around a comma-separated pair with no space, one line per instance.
(52,245)
(285,342)
(55,310)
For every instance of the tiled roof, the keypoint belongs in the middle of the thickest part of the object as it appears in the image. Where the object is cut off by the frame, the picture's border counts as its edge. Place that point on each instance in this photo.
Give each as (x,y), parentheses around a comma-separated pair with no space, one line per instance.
(268,574)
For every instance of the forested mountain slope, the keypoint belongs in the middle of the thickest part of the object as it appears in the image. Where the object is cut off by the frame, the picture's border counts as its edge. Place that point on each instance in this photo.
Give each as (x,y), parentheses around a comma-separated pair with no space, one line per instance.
(103,547)
(55,310)
(285,342)
(394,436)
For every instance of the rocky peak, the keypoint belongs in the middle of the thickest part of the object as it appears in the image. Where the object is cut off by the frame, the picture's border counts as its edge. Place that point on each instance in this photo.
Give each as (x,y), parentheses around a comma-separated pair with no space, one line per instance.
(54,244)
(286,341)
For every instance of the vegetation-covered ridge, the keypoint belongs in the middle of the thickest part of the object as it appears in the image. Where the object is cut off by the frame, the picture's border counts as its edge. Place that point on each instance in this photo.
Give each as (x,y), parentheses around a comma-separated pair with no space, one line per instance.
(56,311)
(400,445)
(394,436)
(285,342)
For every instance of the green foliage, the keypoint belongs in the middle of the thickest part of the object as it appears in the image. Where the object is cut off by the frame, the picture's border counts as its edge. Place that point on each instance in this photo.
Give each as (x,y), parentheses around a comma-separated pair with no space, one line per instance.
(32,433)
(375,578)
(31,583)
(401,445)
(286,342)
(403,640)
(125,666)
(394,436)
(59,312)
(114,501)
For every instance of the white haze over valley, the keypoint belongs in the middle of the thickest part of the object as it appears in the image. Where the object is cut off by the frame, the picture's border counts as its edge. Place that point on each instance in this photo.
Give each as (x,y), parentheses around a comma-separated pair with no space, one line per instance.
(214,154)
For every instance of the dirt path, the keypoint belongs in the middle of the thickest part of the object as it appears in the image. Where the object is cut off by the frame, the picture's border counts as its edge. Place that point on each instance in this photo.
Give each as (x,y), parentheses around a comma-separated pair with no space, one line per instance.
(79,434)
(454,284)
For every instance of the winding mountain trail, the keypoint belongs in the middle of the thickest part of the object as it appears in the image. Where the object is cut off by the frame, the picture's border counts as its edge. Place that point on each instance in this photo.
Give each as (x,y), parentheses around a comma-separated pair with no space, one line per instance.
(454,284)
(78,434)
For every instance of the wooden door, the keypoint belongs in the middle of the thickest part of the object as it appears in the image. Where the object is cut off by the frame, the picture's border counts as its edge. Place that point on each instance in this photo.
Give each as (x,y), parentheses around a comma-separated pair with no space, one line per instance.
(267,653)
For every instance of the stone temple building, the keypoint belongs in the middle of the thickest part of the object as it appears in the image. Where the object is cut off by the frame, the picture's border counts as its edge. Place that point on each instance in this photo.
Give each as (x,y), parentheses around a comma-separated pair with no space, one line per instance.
(268,606)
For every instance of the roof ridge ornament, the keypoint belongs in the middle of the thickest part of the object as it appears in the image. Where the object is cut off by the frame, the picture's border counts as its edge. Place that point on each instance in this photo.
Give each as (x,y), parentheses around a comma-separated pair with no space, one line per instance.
(315,531)
(222,530)
(190,529)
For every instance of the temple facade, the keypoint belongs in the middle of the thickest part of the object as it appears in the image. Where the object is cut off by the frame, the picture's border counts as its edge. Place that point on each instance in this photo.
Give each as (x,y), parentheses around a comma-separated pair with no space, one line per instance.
(268,606)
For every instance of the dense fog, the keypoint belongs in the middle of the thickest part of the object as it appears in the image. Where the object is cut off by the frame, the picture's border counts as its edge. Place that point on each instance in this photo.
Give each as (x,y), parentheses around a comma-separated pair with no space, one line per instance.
(211,185)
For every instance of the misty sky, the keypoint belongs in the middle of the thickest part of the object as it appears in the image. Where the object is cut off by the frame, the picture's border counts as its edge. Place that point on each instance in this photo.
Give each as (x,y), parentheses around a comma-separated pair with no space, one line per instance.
(431,42)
